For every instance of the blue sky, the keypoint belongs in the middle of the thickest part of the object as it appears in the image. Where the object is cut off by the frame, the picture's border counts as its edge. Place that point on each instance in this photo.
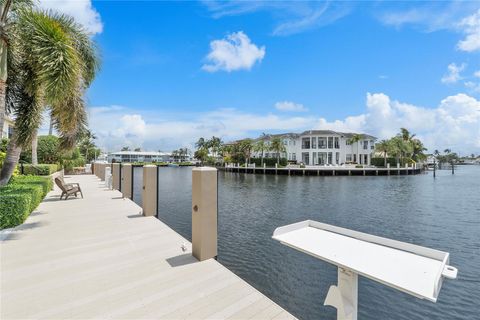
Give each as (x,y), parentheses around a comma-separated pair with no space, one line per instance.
(175,71)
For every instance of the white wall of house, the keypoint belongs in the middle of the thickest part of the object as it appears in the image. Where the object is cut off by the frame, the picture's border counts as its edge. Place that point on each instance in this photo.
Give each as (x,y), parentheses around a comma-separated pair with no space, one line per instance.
(320,147)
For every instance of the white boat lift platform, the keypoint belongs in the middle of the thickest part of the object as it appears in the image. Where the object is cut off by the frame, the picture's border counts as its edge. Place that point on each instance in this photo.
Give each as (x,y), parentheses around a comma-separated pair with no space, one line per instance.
(413,269)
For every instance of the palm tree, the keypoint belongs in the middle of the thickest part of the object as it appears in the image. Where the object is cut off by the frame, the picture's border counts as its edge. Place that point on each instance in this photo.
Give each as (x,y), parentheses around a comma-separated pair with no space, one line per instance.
(277,146)
(405,134)
(126,148)
(383,147)
(51,61)
(355,138)
(260,146)
(215,144)
(246,146)
(200,143)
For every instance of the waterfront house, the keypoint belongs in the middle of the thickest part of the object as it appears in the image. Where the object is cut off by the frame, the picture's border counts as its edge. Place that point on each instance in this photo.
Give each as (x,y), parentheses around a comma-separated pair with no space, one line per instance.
(139,156)
(323,147)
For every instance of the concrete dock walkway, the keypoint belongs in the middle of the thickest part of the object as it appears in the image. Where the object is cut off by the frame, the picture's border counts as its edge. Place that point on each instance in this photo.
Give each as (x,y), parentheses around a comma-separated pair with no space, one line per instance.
(97,257)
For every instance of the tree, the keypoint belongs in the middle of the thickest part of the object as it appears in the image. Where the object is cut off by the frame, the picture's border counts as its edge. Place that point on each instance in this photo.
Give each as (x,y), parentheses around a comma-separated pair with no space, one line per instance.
(87,146)
(126,148)
(246,146)
(277,146)
(137,150)
(355,138)
(200,143)
(383,147)
(51,61)
(260,146)
(201,154)
(214,144)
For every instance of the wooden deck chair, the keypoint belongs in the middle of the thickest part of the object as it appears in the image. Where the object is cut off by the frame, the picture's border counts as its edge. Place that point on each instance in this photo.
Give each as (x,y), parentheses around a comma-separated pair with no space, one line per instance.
(68,188)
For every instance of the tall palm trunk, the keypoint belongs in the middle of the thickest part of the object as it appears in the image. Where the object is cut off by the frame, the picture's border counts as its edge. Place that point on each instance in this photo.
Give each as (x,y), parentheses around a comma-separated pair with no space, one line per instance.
(34,148)
(3,63)
(10,162)
(3,109)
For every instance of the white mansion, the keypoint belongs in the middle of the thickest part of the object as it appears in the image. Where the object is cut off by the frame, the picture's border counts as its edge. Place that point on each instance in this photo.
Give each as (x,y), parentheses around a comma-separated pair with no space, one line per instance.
(320,147)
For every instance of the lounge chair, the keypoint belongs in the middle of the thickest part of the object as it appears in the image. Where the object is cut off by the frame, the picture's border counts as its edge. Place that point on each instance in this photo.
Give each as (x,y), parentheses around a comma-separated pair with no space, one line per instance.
(68,188)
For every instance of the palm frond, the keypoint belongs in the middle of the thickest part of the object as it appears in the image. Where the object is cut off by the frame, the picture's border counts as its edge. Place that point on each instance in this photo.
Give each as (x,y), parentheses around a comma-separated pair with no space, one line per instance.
(51,53)
(70,119)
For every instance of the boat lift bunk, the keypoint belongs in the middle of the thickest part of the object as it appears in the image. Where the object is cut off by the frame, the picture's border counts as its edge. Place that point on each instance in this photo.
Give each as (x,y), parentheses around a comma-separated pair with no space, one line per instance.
(413,269)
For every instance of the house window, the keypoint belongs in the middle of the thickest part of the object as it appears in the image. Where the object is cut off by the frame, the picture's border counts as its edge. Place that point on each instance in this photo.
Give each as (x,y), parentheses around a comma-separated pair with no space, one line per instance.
(355,158)
(330,142)
(294,156)
(314,159)
(365,159)
(330,158)
(348,157)
(293,142)
(337,157)
(322,158)
(337,143)
(306,158)
(305,143)
(314,143)
(365,144)
(322,143)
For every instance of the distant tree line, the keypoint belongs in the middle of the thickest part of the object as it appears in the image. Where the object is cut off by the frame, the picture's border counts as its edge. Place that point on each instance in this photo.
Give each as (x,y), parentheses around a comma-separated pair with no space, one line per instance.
(404,148)
(214,151)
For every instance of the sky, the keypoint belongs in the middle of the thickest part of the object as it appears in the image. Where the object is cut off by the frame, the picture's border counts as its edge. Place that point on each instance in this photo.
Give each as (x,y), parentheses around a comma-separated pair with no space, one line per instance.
(173,72)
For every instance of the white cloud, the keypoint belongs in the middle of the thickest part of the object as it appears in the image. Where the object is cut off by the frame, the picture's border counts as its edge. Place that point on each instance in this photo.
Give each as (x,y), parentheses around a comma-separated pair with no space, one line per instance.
(453,74)
(454,123)
(429,17)
(290,106)
(473,86)
(234,52)
(477,74)
(82,10)
(471,27)
(289,19)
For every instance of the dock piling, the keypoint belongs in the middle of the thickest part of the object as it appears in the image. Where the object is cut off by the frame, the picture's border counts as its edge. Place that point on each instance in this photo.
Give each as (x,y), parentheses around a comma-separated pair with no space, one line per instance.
(149,190)
(204,213)
(126,181)
(116,176)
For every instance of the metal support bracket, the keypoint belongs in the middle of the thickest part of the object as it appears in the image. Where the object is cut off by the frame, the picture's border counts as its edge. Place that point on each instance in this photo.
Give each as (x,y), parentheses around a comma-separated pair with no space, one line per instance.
(344,296)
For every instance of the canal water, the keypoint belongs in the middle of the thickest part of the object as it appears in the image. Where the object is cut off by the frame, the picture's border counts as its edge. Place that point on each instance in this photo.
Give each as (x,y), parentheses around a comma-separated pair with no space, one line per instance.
(441,213)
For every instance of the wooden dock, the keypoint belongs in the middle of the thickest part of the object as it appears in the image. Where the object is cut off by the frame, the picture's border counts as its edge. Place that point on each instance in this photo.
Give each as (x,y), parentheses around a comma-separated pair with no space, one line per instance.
(325,171)
(97,257)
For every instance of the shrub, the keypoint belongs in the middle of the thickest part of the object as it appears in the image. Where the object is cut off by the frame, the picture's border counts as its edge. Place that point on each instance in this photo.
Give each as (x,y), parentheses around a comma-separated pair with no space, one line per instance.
(44,182)
(14,209)
(20,197)
(269,162)
(379,162)
(48,150)
(35,191)
(40,169)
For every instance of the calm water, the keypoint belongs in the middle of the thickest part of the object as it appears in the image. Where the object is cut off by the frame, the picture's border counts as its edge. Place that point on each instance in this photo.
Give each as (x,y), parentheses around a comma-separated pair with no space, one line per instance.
(443,214)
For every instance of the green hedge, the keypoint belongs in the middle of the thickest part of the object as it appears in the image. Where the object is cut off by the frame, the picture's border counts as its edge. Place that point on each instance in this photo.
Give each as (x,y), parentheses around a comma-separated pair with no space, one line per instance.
(269,162)
(379,162)
(40,169)
(20,197)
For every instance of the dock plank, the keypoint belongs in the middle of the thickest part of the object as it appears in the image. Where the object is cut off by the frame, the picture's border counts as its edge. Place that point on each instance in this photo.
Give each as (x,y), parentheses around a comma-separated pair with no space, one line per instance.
(98,258)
